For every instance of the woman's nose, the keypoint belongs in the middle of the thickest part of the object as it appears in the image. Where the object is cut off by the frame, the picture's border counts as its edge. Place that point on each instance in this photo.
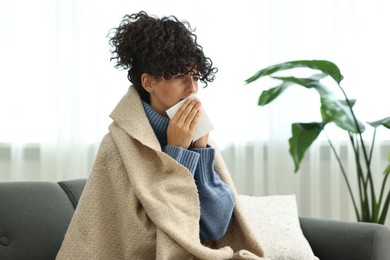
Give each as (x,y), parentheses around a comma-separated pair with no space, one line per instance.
(192,85)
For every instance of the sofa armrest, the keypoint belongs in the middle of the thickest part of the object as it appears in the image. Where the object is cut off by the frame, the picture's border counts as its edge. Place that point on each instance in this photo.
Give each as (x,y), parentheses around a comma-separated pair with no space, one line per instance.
(331,239)
(34,216)
(73,189)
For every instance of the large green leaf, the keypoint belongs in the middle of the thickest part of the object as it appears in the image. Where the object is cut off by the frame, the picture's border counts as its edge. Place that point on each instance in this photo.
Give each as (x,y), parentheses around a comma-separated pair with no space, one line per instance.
(270,94)
(325,66)
(303,135)
(338,111)
(332,110)
(345,103)
(310,82)
(384,121)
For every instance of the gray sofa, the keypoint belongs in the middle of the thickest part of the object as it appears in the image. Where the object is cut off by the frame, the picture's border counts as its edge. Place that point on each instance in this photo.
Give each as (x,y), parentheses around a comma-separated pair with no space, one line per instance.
(34,217)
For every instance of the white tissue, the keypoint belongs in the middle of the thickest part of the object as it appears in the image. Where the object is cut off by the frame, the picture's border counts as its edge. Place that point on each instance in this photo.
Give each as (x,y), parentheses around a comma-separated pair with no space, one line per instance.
(204,124)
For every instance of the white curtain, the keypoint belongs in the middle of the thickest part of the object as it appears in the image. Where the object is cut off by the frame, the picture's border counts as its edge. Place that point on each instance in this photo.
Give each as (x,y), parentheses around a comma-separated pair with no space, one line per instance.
(58,86)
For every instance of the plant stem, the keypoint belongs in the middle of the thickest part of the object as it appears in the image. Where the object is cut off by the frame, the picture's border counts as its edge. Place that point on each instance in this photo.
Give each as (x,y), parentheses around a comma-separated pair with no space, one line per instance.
(382,215)
(383,189)
(372,147)
(375,207)
(366,159)
(385,210)
(361,180)
(345,177)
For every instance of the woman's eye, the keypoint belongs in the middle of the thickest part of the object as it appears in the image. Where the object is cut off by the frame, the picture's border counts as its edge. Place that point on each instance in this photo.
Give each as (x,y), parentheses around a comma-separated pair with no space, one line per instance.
(183,77)
(180,76)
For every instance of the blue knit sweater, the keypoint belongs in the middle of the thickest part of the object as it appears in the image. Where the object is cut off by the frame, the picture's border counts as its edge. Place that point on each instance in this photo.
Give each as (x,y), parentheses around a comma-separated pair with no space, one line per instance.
(216,198)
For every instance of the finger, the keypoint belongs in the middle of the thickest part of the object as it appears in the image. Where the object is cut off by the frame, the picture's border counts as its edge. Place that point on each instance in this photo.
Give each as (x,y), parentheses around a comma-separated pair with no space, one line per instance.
(180,111)
(188,113)
(194,121)
(192,114)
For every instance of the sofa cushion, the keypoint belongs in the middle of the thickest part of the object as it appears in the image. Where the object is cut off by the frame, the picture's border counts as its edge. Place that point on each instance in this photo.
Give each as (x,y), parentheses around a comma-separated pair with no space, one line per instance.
(276,224)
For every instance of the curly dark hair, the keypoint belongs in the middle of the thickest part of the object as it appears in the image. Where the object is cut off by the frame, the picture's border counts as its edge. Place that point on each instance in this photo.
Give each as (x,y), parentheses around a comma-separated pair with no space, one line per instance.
(160,47)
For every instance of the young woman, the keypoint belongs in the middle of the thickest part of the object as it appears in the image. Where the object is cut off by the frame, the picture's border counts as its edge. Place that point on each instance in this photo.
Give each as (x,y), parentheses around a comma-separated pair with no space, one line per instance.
(154,192)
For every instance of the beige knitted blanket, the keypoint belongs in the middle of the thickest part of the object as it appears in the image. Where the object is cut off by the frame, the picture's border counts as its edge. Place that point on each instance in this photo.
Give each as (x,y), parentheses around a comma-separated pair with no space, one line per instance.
(139,203)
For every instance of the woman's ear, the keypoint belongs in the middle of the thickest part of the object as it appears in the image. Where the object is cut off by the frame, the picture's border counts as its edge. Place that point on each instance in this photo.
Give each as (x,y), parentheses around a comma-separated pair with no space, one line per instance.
(147,82)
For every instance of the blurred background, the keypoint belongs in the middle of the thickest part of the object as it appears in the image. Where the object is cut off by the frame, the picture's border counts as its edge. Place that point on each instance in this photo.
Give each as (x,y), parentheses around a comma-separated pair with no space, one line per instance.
(58,87)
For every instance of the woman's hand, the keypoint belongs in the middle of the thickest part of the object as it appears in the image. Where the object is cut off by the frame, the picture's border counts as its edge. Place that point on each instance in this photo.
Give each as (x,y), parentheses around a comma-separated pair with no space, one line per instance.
(182,126)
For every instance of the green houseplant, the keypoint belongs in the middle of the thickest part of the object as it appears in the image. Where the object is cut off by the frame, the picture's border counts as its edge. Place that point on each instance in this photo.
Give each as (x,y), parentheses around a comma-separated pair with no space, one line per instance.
(370,207)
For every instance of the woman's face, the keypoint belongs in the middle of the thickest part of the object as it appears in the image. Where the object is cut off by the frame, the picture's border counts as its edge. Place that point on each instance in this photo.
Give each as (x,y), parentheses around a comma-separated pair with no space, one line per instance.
(166,93)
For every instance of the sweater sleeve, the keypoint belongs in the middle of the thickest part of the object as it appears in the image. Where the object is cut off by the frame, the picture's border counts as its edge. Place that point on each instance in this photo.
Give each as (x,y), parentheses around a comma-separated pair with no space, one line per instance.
(187,158)
(216,198)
